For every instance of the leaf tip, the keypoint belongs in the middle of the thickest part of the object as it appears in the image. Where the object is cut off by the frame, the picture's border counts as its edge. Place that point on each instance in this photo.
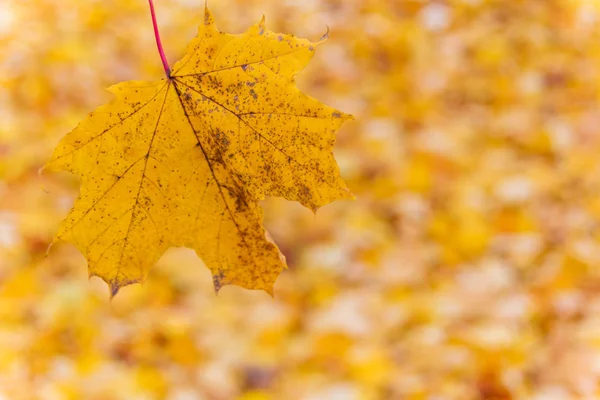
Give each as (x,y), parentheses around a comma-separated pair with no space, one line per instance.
(218,282)
(114,289)
(269,291)
(208,17)
(40,172)
(260,27)
(324,37)
(49,247)
(49,166)
(346,194)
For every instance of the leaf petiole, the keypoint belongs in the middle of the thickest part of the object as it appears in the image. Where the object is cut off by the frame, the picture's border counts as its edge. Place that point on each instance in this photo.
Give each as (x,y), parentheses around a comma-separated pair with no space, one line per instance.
(158,42)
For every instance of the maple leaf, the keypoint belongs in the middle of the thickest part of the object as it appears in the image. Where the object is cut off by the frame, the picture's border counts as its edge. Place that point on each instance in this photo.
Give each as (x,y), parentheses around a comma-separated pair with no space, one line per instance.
(184,161)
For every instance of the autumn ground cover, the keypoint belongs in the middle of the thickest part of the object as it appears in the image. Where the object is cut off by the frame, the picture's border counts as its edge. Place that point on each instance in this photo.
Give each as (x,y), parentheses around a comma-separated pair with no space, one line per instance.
(466,268)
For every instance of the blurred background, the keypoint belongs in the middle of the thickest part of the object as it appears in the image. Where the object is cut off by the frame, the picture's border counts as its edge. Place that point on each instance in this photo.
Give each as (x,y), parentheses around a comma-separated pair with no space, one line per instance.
(467,268)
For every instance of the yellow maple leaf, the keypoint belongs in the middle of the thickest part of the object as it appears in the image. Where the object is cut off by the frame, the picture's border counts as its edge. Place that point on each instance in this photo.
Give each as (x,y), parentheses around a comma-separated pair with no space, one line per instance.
(185,160)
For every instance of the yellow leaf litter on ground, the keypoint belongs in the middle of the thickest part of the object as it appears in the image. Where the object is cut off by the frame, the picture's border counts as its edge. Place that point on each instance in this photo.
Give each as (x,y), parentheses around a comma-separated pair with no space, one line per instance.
(184,161)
